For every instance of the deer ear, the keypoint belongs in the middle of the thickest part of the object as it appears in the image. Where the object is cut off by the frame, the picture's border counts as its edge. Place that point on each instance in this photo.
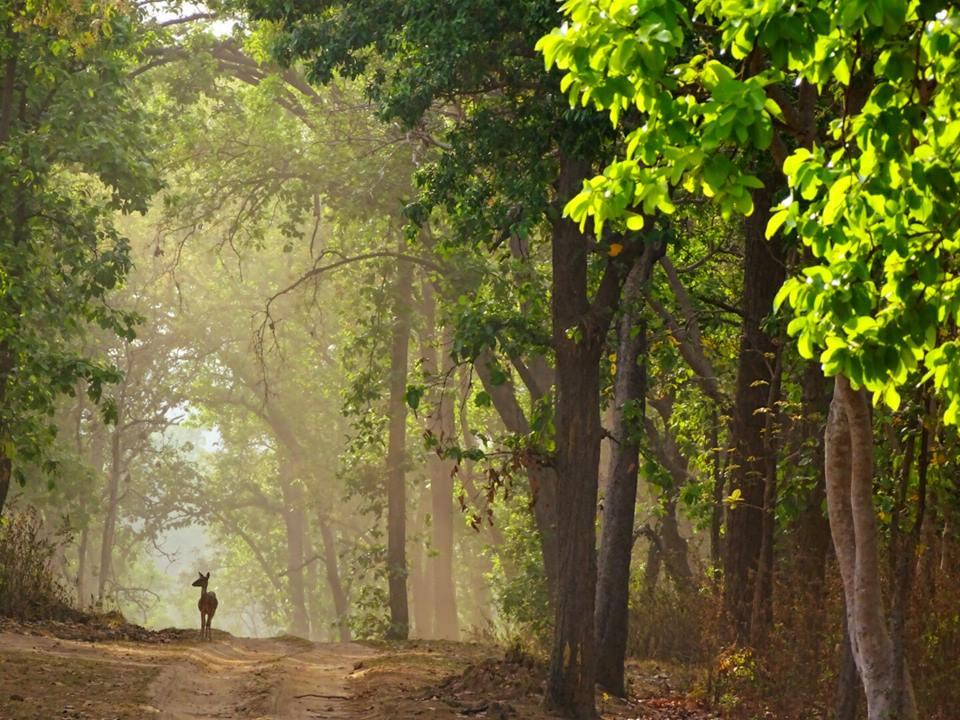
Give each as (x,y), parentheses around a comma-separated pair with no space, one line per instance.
(208,576)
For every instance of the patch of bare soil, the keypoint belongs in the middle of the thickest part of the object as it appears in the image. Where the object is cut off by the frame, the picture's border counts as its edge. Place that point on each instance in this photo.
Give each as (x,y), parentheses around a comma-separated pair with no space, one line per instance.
(447,680)
(167,677)
(42,678)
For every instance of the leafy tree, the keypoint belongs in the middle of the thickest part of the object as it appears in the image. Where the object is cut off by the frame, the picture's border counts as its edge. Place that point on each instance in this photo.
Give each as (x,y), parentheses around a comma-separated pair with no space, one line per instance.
(871,197)
(73,151)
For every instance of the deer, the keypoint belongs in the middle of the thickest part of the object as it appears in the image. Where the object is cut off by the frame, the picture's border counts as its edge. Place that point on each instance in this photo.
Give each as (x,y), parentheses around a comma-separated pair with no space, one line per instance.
(207,604)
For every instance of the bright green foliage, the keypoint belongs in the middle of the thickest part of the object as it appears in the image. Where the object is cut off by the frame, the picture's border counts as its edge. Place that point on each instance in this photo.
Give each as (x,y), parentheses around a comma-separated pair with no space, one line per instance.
(873,192)
(72,154)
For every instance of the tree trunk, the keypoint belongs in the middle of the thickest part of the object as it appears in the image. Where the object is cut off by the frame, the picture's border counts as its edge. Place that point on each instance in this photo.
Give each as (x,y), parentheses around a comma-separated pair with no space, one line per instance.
(905,552)
(311,581)
(8,105)
(110,514)
(620,500)
(6,371)
(442,423)
(848,680)
(337,593)
(579,333)
(719,482)
(421,591)
(543,479)
(849,478)
(396,457)
(763,274)
(294,520)
(812,544)
(446,623)
(82,567)
(6,469)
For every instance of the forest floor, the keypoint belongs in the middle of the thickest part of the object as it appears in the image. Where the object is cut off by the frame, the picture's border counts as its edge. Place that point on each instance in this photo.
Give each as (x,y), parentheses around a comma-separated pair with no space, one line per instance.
(121,672)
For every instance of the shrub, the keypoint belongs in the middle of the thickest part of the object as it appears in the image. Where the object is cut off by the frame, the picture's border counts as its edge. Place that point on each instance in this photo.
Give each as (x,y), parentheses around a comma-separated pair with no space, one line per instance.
(28,586)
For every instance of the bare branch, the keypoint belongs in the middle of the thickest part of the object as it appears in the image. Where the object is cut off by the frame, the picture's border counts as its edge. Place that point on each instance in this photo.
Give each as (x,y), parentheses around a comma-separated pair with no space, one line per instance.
(188,19)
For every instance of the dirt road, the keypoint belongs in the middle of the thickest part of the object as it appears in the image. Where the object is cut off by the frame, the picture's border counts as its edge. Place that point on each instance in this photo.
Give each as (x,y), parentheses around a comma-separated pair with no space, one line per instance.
(276,679)
(133,674)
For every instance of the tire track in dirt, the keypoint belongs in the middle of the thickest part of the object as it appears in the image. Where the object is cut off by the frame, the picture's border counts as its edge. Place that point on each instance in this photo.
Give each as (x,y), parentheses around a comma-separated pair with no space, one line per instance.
(229,678)
(242,678)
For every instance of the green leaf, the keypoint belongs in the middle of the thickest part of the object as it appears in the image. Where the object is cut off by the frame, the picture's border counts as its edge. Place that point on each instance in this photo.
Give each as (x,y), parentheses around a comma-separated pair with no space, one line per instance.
(775,222)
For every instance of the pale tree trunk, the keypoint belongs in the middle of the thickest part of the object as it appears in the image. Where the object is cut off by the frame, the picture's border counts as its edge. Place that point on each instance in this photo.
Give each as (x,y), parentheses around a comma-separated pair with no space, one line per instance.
(421,591)
(82,567)
(337,593)
(311,580)
(294,520)
(396,457)
(110,515)
(439,370)
(853,524)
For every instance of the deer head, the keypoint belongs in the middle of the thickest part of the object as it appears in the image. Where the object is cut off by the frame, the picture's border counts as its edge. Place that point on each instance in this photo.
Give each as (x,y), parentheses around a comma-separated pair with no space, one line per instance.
(202,581)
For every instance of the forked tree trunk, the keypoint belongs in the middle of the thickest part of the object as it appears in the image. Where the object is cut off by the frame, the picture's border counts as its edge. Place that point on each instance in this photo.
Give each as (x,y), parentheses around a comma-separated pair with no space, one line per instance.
(616,544)
(853,525)
(543,478)
(396,457)
(579,332)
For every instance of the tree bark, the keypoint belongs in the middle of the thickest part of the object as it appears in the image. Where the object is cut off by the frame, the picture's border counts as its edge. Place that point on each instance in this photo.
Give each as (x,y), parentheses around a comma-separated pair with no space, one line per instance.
(82,566)
(848,680)
(579,333)
(421,591)
(853,524)
(811,532)
(543,478)
(110,515)
(446,623)
(719,482)
(7,364)
(6,470)
(619,504)
(905,553)
(396,457)
(763,274)
(438,368)
(294,521)
(340,604)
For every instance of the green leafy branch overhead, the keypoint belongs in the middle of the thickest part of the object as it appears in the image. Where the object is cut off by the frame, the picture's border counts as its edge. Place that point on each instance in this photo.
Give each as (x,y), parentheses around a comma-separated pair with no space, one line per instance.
(868,95)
